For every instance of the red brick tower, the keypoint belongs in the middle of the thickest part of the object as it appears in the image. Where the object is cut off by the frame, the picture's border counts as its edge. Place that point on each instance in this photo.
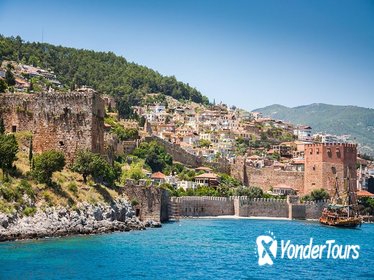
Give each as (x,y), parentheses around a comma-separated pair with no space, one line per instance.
(326,164)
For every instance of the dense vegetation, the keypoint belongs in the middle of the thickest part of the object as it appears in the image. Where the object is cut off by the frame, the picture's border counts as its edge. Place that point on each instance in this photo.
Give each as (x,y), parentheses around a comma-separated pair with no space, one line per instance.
(339,120)
(316,195)
(154,155)
(104,71)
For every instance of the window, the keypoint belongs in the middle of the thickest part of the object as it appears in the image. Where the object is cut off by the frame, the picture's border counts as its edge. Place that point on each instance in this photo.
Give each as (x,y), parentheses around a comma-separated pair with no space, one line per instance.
(14,128)
(317,151)
(61,143)
(329,152)
(333,169)
(311,151)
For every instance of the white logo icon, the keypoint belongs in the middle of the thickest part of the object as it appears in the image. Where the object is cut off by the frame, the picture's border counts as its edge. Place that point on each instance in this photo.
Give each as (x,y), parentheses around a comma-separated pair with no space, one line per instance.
(266,249)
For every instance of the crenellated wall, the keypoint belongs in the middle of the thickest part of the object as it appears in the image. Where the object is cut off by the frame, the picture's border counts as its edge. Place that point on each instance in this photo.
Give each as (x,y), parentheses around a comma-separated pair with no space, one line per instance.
(263,207)
(194,206)
(59,121)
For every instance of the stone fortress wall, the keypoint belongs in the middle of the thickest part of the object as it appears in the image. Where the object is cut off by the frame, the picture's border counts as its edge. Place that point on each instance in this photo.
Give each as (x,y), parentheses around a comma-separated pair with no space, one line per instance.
(188,159)
(151,203)
(66,122)
(266,177)
(240,206)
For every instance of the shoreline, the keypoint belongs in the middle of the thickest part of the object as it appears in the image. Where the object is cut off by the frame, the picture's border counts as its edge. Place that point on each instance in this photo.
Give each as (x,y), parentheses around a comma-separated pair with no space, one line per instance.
(87,219)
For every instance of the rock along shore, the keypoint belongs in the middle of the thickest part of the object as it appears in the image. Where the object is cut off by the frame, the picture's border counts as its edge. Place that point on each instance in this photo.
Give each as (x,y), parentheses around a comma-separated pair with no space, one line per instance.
(85,219)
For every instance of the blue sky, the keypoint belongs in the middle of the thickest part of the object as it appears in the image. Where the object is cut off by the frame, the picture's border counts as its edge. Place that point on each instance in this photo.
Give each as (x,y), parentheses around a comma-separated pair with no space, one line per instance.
(245,53)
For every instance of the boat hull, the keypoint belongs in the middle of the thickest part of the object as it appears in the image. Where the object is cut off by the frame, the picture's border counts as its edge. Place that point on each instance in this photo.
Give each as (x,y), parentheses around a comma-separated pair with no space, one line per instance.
(341,222)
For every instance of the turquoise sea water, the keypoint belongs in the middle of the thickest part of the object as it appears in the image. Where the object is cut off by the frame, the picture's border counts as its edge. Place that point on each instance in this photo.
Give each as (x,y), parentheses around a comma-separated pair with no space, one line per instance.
(189,249)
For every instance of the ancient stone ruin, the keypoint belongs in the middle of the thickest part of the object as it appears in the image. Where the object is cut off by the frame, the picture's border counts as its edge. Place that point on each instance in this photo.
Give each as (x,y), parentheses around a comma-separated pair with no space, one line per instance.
(65,122)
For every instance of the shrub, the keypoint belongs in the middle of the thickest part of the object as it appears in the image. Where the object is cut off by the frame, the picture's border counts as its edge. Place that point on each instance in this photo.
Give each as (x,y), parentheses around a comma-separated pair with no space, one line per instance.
(29,211)
(46,163)
(8,193)
(25,187)
(72,186)
(134,202)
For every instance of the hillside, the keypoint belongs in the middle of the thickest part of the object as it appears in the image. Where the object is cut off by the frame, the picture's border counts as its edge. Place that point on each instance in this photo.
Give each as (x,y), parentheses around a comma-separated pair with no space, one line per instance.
(104,71)
(340,120)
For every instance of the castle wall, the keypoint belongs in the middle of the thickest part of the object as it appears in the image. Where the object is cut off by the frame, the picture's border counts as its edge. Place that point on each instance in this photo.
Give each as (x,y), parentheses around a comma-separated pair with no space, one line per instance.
(184,157)
(194,206)
(66,122)
(313,209)
(266,177)
(263,207)
(152,203)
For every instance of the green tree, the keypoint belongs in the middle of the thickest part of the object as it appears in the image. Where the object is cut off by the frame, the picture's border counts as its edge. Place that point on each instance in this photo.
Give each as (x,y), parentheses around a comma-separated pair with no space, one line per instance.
(155,156)
(250,192)
(9,77)
(316,195)
(204,143)
(142,121)
(30,152)
(3,85)
(2,126)
(84,164)
(46,164)
(84,67)
(87,164)
(319,194)
(8,152)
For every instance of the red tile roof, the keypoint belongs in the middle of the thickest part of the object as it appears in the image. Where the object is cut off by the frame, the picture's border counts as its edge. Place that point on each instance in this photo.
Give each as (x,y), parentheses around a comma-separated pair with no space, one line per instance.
(207,176)
(158,175)
(364,193)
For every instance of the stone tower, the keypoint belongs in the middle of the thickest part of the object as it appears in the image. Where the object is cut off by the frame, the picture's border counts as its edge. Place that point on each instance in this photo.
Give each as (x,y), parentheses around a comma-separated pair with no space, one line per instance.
(65,122)
(328,164)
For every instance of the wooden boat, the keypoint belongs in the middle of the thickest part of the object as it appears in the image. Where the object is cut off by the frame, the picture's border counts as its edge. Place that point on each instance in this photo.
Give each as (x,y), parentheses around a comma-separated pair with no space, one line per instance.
(343,211)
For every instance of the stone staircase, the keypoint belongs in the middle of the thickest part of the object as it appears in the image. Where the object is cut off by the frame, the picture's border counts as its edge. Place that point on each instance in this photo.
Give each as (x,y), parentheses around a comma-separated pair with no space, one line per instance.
(174,211)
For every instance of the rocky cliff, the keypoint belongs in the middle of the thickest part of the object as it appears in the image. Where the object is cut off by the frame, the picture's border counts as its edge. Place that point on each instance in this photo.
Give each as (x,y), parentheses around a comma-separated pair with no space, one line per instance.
(60,221)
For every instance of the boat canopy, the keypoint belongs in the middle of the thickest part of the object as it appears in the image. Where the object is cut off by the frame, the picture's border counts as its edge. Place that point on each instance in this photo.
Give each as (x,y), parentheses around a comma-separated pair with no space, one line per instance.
(336,206)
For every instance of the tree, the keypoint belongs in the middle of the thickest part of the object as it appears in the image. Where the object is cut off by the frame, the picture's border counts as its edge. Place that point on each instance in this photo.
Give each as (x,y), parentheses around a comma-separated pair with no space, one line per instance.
(155,156)
(83,164)
(8,152)
(142,121)
(90,164)
(46,164)
(251,192)
(9,77)
(30,152)
(319,194)
(204,143)
(316,195)
(3,85)
(2,126)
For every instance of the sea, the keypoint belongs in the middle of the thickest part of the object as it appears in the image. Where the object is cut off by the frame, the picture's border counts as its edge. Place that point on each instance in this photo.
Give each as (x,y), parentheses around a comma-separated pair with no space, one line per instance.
(199,249)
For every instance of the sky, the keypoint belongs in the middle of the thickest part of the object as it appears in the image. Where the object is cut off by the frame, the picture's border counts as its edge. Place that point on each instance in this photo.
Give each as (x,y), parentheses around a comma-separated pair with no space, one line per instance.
(245,53)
